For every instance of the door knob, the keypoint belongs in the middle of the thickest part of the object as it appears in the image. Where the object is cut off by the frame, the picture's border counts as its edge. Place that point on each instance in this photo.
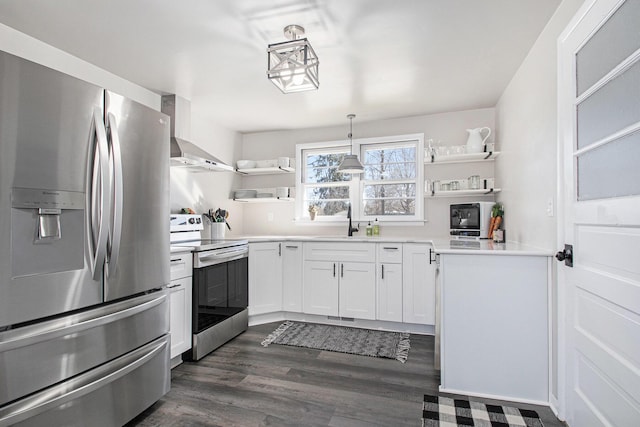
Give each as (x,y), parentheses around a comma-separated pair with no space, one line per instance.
(566,255)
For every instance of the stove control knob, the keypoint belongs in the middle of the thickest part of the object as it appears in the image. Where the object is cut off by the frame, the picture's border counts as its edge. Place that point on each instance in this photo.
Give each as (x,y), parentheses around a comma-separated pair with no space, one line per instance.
(192,221)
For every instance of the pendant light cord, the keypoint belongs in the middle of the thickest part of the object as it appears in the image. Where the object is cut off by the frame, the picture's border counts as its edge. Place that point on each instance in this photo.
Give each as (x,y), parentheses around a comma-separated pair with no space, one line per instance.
(350,136)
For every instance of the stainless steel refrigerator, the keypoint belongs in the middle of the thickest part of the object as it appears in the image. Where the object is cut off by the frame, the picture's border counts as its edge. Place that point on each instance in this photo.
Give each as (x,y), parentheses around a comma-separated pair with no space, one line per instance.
(84,251)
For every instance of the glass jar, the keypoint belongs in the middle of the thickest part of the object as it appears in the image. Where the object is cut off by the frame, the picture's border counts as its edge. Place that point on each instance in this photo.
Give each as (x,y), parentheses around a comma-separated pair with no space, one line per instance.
(474,182)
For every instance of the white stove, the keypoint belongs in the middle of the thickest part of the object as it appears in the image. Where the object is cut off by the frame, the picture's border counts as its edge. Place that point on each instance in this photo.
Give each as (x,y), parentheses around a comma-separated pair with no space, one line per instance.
(220,284)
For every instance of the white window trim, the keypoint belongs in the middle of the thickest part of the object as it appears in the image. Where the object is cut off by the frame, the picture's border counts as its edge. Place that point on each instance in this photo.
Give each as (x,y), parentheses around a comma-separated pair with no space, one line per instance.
(356,183)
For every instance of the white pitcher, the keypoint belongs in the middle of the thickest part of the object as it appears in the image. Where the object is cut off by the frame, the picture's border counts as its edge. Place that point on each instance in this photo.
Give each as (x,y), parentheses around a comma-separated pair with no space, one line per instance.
(475,143)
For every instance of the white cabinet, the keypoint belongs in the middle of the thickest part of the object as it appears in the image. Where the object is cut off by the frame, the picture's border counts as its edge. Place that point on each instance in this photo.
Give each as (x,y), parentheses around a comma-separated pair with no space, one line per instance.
(418,284)
(292,277)
(495,316)
(320,288)
(339,279)
(180,317)
(265,277)
(357,296)
(181,291)
(389,282)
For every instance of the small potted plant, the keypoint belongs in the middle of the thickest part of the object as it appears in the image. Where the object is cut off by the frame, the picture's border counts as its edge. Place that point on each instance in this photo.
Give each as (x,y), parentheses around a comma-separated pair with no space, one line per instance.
(313,210)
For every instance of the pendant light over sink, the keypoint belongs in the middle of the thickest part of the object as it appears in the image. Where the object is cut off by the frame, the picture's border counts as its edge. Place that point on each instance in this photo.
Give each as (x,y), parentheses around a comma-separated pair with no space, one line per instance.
(293,65)
(350,162)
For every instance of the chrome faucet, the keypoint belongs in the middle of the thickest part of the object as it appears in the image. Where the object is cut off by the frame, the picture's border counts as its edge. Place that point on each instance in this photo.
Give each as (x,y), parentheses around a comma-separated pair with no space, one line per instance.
(351,228)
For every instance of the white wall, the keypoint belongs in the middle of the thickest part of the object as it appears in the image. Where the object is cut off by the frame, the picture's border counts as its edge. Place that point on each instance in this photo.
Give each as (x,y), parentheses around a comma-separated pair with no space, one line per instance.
(526,120)
(210,190)
(450,128)
(527,130)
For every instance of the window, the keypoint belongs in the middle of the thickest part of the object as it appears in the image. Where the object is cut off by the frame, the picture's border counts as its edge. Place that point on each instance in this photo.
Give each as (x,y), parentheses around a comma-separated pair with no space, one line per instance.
(390,189)
(389,181)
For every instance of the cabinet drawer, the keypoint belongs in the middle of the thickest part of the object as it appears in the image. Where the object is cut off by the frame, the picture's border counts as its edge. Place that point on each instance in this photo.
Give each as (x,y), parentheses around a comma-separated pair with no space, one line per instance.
(181,265)
(331,251)
(390,252)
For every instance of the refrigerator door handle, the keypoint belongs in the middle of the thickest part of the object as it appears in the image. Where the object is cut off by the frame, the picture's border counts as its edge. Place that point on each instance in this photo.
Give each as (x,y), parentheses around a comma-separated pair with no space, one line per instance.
(115,228)
(82,385)
(75,324)
(98,188)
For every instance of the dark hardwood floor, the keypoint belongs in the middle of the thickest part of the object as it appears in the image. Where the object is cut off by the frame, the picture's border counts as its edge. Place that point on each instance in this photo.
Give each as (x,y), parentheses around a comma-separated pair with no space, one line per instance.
(245,384)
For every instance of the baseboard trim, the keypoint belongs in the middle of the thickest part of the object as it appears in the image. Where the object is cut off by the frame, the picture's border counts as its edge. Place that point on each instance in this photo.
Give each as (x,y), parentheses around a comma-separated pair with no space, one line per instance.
(494,396)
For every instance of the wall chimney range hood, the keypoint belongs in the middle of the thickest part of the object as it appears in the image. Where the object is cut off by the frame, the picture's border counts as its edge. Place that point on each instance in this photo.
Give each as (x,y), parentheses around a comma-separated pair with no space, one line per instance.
(186,154)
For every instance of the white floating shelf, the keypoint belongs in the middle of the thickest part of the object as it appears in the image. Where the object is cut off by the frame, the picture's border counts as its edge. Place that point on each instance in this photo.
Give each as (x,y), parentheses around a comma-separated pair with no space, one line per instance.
(265,199)
(266,171)
(463,193)
(462,158)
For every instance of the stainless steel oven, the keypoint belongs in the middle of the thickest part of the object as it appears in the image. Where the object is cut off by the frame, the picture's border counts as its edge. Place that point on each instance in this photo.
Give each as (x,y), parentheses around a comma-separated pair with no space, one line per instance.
(220,285)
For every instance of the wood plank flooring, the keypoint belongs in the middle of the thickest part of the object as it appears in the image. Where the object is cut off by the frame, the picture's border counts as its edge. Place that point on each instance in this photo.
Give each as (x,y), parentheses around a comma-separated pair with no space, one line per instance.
(245,384)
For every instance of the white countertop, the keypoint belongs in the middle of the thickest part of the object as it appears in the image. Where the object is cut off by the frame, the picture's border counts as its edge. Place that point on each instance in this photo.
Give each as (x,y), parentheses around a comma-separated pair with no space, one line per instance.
(178,249)
(441,245)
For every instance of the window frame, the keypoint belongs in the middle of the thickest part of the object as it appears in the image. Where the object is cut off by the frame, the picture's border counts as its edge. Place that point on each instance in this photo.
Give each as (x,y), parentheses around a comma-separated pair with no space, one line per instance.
(357,183)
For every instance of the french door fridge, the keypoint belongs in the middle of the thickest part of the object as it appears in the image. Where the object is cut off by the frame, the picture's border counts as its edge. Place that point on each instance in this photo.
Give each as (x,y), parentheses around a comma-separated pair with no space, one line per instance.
(84,251)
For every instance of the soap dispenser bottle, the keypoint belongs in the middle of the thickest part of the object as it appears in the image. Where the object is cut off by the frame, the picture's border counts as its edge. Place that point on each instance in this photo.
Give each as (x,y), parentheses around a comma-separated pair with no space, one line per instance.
(369,229)
(376,228)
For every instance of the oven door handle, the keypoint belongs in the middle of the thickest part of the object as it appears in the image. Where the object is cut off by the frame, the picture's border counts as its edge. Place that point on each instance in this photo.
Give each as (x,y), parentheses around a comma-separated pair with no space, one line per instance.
(206,257)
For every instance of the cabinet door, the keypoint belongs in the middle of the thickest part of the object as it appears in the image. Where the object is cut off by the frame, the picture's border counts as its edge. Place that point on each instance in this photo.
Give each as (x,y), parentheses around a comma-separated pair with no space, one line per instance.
(389,292)
(418,285)
(320,288)
(358,290)
(292,277)
(265,277)
(180,317)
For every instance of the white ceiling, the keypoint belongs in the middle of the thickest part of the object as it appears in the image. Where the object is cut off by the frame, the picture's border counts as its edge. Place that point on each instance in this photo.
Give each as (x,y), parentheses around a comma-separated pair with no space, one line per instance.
(378,58)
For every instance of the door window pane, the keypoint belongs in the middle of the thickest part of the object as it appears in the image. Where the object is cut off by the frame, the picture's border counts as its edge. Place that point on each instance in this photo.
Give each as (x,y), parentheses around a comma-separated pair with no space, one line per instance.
(610,45)
(613,107)
(610,170)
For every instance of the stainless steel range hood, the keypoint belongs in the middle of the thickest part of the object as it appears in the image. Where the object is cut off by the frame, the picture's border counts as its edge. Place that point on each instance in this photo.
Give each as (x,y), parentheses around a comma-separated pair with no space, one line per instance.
(186,154)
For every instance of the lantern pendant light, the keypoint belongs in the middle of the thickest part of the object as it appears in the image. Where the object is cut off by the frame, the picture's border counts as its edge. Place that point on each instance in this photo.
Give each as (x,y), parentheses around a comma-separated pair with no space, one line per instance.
(293,65)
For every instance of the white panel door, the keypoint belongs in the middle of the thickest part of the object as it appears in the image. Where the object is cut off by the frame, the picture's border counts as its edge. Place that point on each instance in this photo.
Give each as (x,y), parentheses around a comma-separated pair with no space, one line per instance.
(599,125)
(180,315)
(418,285)
(389,292)
(358,290)
(292,277)
(265,277)
(320,293)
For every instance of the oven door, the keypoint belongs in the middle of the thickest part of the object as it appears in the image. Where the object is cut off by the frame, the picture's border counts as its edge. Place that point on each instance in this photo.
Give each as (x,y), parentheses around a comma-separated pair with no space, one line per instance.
(220,292)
